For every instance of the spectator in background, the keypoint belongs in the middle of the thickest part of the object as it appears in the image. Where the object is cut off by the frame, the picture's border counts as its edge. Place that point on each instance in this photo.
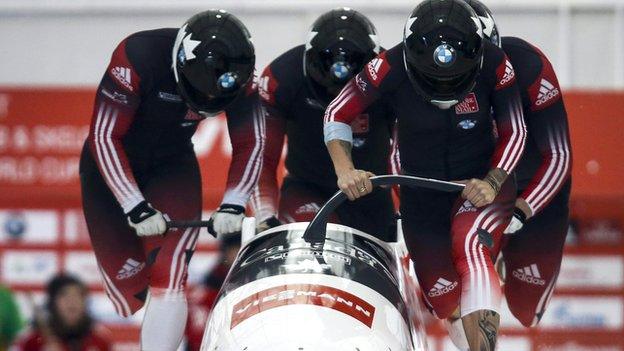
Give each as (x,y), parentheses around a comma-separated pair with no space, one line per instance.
(64,324)
(201,298)
(10,319)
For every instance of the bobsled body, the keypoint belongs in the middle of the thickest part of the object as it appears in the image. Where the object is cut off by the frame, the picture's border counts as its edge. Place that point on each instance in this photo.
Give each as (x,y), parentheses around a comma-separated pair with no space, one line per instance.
(348,292)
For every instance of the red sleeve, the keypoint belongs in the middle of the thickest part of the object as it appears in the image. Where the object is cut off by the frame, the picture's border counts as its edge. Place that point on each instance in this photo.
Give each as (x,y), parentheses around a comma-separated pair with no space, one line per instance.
(395,161)
(508,115)
(395,156)
(117,99)
(548,123)
(264,199)
(357,95)
(247,129)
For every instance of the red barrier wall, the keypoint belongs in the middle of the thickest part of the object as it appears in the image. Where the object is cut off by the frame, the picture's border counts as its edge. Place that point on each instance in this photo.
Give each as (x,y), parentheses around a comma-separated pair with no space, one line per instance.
(41,131)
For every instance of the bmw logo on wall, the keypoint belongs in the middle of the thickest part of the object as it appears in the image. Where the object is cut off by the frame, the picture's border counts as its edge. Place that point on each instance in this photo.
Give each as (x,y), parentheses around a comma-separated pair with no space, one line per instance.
(444,55)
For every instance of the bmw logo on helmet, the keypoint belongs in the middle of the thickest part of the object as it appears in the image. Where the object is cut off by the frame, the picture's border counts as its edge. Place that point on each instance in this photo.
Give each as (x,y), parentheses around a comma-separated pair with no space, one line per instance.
(181,56)
(444,55)
(340,70)
(227,80)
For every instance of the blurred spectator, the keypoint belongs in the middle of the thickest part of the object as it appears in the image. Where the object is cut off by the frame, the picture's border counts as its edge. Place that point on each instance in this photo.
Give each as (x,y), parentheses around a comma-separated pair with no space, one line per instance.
(10,319)
(201,298)
(64,324)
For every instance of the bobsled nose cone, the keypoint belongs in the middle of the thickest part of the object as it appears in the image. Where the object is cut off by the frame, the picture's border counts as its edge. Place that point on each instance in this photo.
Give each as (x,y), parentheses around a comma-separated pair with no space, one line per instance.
(308,328)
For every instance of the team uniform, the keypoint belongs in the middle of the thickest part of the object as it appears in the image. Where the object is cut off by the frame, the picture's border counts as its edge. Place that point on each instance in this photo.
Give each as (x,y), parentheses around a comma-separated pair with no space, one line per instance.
(201,298)
(453,144)
(294,111)
(533,254)
(139,149)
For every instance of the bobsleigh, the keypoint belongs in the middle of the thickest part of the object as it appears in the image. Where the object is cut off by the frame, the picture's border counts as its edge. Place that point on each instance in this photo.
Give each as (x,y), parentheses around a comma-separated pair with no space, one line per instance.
(320,286)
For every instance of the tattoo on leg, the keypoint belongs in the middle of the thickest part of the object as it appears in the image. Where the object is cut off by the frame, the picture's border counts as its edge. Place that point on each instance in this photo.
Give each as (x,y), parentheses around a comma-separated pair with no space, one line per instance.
(488,327)
(481,329)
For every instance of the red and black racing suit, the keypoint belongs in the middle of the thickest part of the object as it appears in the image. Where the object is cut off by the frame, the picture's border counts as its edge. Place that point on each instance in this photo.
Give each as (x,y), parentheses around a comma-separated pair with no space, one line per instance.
(451,242)
(139,148)
(294,111)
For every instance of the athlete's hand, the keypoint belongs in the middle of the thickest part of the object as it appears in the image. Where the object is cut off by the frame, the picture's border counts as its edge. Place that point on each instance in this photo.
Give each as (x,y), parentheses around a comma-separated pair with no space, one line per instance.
(267,224)
(226,219)
(355,183)
(146,220)
(479,192)
(521,214)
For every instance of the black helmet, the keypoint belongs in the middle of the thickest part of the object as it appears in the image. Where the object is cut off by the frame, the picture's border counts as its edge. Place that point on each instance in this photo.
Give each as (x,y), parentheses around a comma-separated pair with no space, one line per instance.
(213,60)
(339,44)
(490,29)
(443,50)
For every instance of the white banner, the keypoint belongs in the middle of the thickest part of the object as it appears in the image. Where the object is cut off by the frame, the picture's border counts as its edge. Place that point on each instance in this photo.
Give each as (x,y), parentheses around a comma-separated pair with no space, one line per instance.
(29,226)
(28,267)
(591,272)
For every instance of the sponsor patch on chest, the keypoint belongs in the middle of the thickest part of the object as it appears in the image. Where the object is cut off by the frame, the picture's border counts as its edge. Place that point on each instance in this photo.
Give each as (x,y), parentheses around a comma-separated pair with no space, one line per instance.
(169,97)
(469,105)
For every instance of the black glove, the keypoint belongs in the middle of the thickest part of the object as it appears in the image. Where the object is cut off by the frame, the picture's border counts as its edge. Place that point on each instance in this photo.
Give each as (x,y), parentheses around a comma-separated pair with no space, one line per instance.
(226,219)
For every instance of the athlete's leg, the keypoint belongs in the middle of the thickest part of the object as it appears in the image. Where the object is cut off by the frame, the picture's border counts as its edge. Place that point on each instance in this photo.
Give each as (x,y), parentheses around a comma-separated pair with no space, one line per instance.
(117,248)
(175,189)
(372,214)
(426,227)
(300,201)
(476,234)
(532,259)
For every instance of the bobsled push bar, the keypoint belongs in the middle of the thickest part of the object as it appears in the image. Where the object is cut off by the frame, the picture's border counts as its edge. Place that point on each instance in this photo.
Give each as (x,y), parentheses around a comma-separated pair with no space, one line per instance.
(315,232)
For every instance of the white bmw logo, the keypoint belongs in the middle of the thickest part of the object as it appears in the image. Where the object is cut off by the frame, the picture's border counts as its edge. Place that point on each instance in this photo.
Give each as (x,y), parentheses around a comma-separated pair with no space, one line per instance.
(340,70)
(467,124)
(227,80)
(181,56)
(444,55)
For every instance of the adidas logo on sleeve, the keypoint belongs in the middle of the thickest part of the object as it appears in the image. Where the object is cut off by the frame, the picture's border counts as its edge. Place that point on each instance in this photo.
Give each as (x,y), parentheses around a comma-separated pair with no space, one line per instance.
(441,287)
(509,75)
(529,274)
(124,76)
(547,91)
(130,268)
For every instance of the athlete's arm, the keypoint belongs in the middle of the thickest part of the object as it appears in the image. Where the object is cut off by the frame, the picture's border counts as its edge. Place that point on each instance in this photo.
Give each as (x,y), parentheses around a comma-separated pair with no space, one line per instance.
(507,108)
(116,101)
(508,114)
(264,199)
(355,97)
(246,127)
(548,123)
